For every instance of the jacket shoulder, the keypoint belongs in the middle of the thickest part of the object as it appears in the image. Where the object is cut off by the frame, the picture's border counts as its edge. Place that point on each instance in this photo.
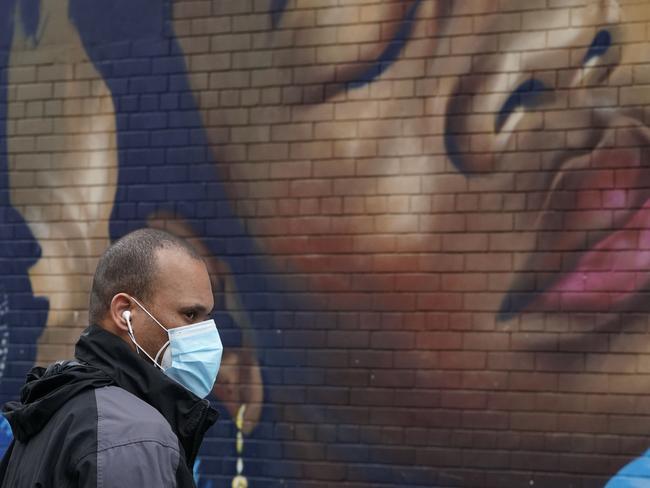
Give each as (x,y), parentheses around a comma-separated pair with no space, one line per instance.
(135,445)
(124,418)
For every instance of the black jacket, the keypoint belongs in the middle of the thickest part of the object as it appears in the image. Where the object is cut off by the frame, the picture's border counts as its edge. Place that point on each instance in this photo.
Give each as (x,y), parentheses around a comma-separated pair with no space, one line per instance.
(107,419)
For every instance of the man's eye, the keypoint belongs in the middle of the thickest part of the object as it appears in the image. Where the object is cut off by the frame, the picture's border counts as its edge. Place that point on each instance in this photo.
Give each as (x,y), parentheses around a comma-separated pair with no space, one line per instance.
(190,315)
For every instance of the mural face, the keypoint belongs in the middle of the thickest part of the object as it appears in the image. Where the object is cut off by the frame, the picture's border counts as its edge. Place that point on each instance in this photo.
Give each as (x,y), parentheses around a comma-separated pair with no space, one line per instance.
(62,161)
(425,222)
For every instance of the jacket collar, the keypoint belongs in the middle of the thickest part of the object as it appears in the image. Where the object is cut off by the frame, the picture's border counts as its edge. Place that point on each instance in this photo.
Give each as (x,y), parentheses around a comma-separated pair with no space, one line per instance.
(188,415)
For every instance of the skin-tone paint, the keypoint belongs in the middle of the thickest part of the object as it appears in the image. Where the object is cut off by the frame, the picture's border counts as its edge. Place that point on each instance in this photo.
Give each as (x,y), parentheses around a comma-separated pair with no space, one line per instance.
(64,183)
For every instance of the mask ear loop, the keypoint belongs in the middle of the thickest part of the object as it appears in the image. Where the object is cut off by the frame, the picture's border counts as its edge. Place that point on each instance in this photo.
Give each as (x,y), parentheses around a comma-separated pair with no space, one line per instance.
(132,336)
(152,317)
(160,352)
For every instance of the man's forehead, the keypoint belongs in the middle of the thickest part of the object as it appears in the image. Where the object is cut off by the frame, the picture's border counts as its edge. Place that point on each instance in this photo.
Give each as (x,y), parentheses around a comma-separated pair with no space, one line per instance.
(174,262)
(182,275)
(172,252)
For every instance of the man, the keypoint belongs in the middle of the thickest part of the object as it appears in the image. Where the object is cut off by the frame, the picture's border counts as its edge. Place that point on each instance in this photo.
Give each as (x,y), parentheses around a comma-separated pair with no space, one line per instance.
(129,410)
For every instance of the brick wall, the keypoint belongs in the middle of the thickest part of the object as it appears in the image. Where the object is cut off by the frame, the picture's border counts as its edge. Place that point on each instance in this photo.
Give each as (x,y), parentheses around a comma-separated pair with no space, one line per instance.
(425,221)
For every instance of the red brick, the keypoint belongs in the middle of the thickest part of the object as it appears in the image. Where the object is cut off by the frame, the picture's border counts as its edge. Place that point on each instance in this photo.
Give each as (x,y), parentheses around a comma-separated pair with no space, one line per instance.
(533,381)
(439,301)
(462,360)
(392,340)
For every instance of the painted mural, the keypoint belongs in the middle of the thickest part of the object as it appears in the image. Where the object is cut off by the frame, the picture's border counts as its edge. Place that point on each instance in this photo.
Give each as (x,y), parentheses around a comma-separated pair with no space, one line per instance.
(426,223)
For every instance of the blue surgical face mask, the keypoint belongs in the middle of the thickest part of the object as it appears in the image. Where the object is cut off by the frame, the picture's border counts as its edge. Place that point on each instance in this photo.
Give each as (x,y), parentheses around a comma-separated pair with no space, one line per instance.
(192,354)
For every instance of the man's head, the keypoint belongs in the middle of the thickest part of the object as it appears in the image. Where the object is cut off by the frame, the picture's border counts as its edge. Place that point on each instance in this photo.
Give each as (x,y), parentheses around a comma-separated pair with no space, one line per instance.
(161,272)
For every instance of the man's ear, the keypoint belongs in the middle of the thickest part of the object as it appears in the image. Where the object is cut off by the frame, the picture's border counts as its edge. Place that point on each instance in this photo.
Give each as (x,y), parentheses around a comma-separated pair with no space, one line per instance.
(116,319)
(239,381)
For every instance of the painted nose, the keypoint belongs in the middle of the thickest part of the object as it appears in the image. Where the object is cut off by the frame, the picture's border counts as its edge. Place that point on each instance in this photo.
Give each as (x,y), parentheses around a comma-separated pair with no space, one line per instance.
(517,118)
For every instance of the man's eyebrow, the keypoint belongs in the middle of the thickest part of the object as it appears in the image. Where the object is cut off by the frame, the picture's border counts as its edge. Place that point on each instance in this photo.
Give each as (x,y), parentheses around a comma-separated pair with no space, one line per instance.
(197,307)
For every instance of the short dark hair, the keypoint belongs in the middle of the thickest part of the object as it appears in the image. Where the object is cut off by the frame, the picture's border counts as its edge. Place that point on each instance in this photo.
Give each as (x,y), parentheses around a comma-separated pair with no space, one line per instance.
(129,266)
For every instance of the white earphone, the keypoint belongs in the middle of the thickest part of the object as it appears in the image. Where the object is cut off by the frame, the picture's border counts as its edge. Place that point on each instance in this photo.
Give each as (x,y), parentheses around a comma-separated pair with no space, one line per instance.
(126,315)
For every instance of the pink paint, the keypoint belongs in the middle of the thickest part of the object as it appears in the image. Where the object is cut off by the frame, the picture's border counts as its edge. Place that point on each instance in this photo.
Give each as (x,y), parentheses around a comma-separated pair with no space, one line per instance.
(609,275)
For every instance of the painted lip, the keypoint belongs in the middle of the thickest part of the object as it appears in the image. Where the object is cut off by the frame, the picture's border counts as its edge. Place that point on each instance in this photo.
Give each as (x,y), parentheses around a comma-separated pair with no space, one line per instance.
(606,274)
